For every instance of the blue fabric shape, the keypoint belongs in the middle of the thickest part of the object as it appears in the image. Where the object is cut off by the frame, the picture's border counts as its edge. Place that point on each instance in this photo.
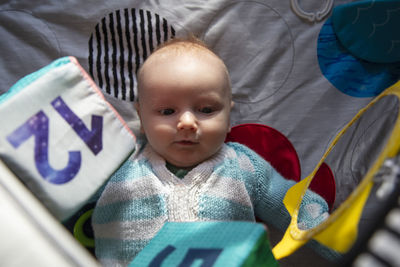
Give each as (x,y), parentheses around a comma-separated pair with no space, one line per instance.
(349,74)
(369,29)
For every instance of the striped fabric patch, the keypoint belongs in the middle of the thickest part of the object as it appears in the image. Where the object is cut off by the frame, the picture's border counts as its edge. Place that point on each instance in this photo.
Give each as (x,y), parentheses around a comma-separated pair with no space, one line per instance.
(124,191)
(120,43)
(230,189)
(219,209)
(128,171)
(233,172)
(126,249)
(130,230)
(134,210)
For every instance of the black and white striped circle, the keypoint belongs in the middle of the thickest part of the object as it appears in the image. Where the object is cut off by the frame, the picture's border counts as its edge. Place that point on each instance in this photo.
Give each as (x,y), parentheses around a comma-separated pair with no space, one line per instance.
(120,43)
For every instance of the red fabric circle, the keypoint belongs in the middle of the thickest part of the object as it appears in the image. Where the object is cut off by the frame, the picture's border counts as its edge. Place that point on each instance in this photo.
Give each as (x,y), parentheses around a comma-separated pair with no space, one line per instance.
(275,148)
(270,144)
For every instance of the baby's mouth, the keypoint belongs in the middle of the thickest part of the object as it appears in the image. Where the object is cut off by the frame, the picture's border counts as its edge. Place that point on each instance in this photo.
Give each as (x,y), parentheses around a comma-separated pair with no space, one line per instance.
(186,142)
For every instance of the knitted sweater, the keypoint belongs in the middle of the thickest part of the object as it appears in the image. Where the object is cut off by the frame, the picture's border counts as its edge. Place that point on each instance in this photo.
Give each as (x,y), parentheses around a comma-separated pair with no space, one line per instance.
(235,184)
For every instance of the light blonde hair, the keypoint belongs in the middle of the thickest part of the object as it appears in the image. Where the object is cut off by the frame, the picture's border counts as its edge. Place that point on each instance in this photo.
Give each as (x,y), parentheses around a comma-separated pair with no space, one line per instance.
(177,46)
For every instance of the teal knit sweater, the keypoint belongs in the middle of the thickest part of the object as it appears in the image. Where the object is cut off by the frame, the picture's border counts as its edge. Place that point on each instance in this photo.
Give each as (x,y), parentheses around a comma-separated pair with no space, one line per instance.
(235,184)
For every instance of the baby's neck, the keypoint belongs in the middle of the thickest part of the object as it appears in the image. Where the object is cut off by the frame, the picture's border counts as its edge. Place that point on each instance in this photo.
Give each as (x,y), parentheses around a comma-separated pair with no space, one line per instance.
(179,172)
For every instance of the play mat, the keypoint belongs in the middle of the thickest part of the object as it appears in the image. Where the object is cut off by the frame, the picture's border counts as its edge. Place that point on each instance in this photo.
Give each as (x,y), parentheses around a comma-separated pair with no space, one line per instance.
(314,86)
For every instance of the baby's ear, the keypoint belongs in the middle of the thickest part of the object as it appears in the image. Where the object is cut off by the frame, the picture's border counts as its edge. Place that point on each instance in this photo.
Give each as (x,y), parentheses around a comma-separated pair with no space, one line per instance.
(232,104)
(137,107)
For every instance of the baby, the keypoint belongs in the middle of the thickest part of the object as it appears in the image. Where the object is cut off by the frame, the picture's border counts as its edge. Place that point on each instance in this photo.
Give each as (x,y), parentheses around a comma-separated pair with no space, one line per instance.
(182,170)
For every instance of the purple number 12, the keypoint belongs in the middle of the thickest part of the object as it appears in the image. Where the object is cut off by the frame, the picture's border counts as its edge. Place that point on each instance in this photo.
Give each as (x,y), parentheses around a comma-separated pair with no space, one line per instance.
(38,127)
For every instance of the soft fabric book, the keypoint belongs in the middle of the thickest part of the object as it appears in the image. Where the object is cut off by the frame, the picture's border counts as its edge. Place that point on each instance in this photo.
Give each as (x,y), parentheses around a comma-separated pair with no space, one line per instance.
(61,137)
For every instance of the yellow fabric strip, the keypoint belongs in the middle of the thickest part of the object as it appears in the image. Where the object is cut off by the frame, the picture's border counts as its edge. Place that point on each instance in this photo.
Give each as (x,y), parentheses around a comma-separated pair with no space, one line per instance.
(339,231)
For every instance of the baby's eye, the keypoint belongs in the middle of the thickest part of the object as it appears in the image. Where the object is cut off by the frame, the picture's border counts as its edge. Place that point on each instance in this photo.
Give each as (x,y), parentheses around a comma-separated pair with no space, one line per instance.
(206,110)
(167,111)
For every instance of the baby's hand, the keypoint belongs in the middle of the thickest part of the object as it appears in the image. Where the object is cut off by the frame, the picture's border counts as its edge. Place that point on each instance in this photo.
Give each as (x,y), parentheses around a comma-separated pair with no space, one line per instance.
(311,215)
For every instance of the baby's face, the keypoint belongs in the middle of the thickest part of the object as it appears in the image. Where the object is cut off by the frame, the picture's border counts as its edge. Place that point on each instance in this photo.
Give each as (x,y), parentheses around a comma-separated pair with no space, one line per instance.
(184,107)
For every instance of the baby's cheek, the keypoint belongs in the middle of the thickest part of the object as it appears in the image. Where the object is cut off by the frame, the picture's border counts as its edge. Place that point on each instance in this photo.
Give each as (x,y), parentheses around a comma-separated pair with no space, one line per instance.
(161,127)
(162,130)
(219,131)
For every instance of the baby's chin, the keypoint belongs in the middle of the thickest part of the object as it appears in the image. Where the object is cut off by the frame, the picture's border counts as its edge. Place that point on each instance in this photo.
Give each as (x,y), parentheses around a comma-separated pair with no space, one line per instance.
(186,164)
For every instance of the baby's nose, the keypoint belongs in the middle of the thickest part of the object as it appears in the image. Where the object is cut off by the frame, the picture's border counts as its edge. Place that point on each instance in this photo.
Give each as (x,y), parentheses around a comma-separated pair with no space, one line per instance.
(187,121)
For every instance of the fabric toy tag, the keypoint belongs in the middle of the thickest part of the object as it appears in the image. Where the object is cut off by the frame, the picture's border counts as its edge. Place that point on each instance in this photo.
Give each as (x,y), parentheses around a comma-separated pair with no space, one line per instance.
(60,136)
(213,243)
